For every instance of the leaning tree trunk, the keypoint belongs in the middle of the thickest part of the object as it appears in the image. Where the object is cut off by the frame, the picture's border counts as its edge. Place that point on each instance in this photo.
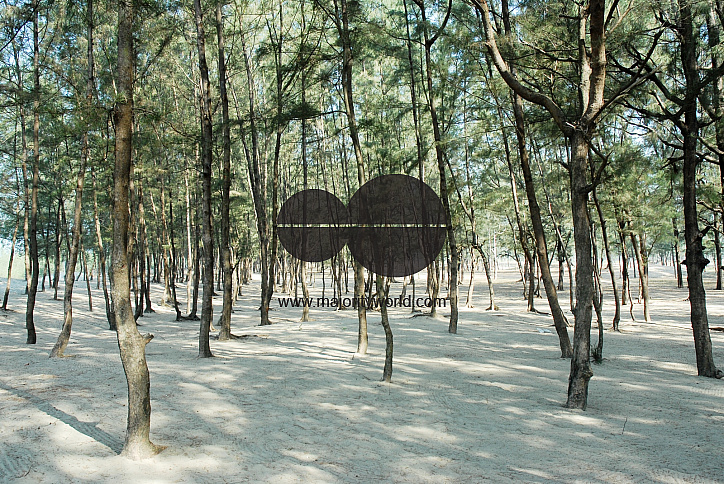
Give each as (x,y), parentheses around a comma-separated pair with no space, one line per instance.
(559,319)
(64,336)
(383,290)
(131,344)
(207,308)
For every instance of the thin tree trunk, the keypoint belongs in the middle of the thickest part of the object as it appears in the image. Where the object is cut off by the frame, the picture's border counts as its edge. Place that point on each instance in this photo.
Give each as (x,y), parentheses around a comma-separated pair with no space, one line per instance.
(559,319)
(110,312)
(383,290)
(87,278)
(679,276)
(34,264)
(12,253)
(225,246)
(444,197)
(207,308)
(173,264)
(643,264)
(609,261)
(343,29)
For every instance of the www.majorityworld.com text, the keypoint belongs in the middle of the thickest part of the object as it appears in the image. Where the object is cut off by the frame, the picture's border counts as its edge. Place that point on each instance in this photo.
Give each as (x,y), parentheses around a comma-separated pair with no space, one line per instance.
(368,302)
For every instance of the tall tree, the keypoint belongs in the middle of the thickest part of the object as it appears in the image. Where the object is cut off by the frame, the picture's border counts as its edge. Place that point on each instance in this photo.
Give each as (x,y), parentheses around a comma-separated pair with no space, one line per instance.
(131,343)
(207,308)
(64,336)
(33,232)
(225,249)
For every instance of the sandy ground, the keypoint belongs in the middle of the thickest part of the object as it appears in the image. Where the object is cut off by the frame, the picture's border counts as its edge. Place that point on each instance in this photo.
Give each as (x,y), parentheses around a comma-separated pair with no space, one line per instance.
(295,404)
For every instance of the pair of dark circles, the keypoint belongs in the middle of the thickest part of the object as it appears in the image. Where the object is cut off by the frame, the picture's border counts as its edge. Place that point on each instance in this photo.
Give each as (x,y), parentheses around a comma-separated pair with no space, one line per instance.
(394,225)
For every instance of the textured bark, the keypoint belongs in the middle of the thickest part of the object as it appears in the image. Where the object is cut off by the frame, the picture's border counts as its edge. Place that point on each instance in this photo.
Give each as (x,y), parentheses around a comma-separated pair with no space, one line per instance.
(33,232)
(695,260)
(207,308)
(64,336)
(257,179)
(581,371)
(131,344)
(592,68)
(225,245)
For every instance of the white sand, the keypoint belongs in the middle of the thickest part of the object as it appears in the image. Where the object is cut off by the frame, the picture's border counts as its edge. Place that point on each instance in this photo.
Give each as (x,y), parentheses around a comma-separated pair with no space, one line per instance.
(298,406)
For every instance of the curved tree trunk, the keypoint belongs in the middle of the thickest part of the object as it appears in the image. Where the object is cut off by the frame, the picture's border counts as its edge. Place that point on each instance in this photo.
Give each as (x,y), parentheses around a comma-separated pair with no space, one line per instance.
(131,344)
(559,319)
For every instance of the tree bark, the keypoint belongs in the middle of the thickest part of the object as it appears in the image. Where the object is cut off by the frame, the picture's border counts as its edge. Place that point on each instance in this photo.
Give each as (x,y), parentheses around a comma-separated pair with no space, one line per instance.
(131,344)
(34,264)
(207,308)
(225,246)
(559,319)
(695,260)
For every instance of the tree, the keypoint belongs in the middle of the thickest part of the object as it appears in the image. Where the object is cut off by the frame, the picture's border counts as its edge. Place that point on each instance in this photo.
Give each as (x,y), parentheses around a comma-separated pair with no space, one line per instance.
(207,308)
(131,344)
(64,336)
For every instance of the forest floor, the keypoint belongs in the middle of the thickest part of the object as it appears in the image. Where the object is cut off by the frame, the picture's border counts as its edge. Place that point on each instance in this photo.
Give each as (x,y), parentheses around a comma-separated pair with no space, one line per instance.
(295,404)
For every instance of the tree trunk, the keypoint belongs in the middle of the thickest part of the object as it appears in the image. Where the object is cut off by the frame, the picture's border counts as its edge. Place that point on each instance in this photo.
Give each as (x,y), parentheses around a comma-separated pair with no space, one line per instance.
(609,261)
(581,371)
(225,246)
(173,264)
(444,197)
(383,290)
(34,264)
(110,311)
(131,344)
(257,179)
(679,276)
(695,260)
(643,264)
(559,319)
(12,252)
(343,30)
(207,307)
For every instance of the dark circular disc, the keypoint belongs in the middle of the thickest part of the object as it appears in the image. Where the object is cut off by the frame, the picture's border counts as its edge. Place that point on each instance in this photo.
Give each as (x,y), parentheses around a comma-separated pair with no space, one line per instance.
(398,225)
(312,225)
